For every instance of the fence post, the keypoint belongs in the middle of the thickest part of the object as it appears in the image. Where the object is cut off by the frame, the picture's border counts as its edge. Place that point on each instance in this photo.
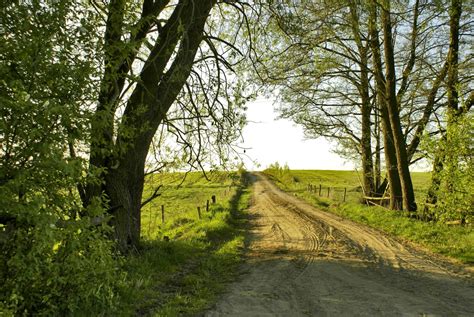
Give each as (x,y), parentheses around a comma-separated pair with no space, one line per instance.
(328,191)
(199,212)
(213,199)
(207,205)
(320,187)
(345,191)
(162,213)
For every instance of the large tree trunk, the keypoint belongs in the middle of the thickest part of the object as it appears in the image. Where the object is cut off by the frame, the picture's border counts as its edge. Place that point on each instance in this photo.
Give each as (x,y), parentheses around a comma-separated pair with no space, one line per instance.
(394,113)
(389,145)
(366,148)
(452,82)
(122,162)
(396,202)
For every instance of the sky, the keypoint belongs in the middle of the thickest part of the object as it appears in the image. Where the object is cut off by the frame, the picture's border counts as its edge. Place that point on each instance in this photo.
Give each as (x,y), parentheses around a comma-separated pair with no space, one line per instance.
(269,140)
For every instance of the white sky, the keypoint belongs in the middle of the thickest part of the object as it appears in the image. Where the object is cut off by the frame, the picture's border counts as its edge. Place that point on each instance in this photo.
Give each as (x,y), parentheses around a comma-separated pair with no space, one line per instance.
(269,140)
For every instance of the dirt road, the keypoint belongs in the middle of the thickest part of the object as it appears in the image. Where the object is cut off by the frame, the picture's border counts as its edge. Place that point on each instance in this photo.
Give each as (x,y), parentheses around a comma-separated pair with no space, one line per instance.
(306,262)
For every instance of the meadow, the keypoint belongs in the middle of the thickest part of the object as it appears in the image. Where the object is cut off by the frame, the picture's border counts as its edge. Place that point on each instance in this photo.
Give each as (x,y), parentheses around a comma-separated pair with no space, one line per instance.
(186,261)
(454,241)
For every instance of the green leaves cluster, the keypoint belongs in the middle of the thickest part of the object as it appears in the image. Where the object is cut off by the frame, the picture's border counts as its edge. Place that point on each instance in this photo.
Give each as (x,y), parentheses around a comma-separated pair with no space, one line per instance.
(53,259)
(456,191)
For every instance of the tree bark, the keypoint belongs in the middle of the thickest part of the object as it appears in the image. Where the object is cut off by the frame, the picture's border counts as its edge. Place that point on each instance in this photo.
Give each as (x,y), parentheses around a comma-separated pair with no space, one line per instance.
(389,145)
(452,82)
(123,162)
(377,167)
(394,113)
(366,107)
(453,105)
(366,144)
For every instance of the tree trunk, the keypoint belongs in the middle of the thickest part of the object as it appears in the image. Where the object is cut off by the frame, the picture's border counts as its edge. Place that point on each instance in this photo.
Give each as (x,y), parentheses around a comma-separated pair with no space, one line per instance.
(432,197)
(366,148)
(453,106)
(377,167)
(366,107)
(122,163)
(396,202)
(389,146)
(394,114)
(452,82)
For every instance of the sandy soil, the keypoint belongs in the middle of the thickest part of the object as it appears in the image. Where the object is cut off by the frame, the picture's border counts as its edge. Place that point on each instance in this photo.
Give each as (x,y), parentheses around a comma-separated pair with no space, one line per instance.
(306,262)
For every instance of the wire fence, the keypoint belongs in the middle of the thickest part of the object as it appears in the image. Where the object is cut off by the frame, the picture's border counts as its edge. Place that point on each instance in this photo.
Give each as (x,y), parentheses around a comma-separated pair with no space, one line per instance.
(159,216)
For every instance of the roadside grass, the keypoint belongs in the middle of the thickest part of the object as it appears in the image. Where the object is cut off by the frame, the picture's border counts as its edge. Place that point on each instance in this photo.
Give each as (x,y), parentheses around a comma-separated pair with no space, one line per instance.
(184,275)
(298,180)
(453,241)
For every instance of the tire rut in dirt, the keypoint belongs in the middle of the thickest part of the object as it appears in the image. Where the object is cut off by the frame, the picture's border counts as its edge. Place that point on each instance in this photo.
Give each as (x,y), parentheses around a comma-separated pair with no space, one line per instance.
(303,261)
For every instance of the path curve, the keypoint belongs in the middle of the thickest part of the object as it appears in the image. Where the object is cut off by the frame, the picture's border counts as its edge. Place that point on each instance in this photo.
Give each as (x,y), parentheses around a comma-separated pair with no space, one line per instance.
(306,262)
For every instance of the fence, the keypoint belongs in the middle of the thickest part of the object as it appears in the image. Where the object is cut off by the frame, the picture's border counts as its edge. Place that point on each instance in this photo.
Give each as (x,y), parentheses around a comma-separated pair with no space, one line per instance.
(335,192)
(153,221)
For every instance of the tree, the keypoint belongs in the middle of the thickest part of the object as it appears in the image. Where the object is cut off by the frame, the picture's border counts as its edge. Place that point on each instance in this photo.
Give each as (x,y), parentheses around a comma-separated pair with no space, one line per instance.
(394,112)
(446,155)
(321,73)
(352,81)
(148,58)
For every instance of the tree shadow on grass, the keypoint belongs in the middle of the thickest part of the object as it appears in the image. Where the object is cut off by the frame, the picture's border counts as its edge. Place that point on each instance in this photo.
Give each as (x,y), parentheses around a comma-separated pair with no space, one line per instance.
(183,276)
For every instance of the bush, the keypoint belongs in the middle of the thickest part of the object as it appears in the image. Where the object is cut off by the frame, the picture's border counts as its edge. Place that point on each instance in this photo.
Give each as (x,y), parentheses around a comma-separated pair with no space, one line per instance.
(456,196)
(453,185)
(53,261)
(281,173)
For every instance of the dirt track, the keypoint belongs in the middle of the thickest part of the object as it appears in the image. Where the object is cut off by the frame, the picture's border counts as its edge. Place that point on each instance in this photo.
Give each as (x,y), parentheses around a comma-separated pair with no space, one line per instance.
(306,262)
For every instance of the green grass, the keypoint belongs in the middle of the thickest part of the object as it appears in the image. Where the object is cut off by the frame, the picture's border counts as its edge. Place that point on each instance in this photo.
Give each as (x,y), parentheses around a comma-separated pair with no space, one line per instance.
(453,241)
(184,275)
(338,181)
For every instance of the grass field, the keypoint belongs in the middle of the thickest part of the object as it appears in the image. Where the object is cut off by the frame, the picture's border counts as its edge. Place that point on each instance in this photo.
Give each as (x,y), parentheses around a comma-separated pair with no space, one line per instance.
(182,276)
(338,181)
(454,241)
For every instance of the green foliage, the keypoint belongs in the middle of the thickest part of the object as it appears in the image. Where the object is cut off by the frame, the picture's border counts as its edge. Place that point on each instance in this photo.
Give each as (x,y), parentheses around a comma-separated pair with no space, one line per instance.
(280,173)
(49,270)
(182,276)
(456,195)
(53,260)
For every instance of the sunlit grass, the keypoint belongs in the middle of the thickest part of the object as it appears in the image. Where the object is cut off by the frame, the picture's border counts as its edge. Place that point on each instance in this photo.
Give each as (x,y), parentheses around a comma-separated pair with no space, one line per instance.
(183,276)
(338,182)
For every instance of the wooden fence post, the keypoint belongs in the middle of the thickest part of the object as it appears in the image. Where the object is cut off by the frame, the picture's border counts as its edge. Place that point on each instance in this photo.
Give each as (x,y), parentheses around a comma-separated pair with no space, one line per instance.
(320,188)
(345,191)
(213,199)
(199,212)
(162,213)
(328,191)
(207,205)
